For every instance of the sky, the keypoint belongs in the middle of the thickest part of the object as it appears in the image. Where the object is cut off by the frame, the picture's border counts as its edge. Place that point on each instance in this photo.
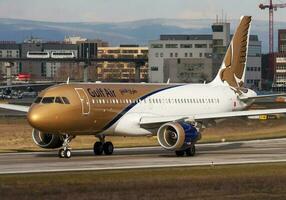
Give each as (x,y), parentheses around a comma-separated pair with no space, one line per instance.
(130,10)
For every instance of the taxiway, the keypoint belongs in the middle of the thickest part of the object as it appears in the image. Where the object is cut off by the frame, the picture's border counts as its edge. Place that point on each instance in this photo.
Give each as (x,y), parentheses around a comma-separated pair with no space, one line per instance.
(259,151)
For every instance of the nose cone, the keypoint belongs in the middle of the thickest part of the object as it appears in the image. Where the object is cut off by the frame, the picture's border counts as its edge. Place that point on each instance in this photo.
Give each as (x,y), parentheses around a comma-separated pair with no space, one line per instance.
(35,118)
(42,118)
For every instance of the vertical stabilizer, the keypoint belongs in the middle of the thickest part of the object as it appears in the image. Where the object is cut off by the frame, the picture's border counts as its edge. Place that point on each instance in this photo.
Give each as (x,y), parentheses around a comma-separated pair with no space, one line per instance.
(232,71)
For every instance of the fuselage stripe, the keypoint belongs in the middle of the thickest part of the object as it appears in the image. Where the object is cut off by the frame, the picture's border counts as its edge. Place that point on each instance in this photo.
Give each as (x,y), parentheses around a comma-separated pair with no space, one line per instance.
(123,112)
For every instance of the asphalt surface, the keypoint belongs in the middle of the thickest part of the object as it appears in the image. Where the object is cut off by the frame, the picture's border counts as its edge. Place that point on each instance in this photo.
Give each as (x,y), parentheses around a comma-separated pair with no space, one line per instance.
(260,151)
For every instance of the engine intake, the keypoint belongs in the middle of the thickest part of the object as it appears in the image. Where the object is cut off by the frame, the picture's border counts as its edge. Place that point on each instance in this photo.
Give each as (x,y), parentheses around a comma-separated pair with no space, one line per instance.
(47,140)
(177,135)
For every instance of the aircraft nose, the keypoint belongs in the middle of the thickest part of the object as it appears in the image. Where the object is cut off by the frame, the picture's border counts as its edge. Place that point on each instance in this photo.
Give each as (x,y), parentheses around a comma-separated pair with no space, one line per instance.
(34,118)
(41,118)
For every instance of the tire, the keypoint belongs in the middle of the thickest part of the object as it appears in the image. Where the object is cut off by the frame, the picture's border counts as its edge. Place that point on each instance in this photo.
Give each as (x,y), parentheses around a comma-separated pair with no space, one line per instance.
(98,148)
(180,153)
(191,151)
(67,153)
(61,153)
(108,148)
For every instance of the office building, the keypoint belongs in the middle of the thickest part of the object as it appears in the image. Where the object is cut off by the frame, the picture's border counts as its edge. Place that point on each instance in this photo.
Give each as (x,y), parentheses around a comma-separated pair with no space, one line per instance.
(9,49)
(253,68)
(52,68)
(122,71)
(279,63)
(197,58)
(282,40)
(178,51)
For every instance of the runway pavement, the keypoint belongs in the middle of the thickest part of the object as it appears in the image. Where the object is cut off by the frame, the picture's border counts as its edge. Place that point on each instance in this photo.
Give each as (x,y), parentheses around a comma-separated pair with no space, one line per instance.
(260,151)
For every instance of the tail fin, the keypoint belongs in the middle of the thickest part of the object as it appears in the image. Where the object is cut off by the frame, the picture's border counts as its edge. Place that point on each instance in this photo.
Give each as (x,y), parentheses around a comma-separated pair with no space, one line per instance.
(232,71)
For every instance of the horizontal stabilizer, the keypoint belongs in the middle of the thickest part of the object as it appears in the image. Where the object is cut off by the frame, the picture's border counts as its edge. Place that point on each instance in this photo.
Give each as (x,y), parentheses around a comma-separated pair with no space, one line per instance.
(262,96)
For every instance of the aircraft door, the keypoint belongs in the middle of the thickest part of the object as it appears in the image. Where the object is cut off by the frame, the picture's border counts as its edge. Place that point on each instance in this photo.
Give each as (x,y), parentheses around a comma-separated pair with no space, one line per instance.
(85,104)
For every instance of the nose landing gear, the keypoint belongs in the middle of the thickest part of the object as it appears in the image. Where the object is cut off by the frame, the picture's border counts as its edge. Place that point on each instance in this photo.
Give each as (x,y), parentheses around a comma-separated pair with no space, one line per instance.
(65,152)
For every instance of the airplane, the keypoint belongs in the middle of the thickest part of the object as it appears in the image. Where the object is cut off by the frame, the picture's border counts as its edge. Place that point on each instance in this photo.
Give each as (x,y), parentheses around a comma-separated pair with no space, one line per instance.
(175,113)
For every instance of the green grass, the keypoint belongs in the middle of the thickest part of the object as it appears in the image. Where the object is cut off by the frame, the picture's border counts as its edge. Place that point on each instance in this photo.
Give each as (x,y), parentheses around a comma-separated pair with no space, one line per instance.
(16,134)
(263,181)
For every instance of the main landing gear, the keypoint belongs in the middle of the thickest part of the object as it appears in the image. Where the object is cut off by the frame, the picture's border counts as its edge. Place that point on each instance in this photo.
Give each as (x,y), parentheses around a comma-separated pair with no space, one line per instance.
(99,147)
(65,152)
(102,146)
(191,151)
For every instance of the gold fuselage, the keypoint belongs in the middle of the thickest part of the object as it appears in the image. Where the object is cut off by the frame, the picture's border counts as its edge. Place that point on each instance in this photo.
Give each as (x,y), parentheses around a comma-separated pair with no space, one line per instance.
(92,113)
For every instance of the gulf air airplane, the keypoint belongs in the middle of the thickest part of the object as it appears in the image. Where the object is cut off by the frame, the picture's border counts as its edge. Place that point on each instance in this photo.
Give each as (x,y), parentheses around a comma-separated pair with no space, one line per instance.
(175,113)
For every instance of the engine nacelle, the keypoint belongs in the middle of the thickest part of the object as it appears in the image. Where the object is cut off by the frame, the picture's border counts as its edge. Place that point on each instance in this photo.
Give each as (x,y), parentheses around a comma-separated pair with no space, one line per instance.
(47,140)
(177,135)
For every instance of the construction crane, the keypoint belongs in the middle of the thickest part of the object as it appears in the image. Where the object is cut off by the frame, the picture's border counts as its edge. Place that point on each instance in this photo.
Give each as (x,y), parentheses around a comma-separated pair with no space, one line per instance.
(272,7)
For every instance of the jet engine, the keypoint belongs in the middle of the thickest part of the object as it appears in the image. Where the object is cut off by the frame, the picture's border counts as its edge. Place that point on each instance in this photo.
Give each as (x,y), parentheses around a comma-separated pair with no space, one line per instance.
(47,140)
(177,135)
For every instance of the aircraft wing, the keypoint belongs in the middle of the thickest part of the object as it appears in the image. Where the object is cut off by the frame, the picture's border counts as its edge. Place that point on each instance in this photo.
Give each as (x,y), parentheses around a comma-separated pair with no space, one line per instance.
(27,85)
(262,96)
(152,120)
(15,107)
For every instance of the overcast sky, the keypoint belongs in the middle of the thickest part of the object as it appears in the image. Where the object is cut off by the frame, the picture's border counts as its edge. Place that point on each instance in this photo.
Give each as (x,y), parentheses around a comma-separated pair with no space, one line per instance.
(129,10)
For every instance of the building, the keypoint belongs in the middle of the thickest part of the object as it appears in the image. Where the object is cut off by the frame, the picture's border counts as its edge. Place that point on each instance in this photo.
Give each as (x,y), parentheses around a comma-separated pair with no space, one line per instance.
(253,75)
(123,71)
(221,39)
(9,49)
(185,52)
(52,68)
(36,69)
(197,58)
(279,81)
(74,39)
(282,40)
(279,63)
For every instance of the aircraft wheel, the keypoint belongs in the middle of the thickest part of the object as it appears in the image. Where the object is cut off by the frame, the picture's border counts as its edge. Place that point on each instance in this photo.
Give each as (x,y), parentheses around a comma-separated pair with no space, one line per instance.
(67,153)
(98,148)
(180,153)
(108,148)
(191,151)
(61,153)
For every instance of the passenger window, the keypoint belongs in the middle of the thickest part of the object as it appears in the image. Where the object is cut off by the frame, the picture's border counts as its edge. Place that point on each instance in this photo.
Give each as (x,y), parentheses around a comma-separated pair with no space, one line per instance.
(59,100)
(38,100)
(48,100)
(66,100)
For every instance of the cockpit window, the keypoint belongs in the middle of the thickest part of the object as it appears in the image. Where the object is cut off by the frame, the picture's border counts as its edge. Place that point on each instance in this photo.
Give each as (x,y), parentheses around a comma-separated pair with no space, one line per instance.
(38,100)
(59,100)
(66,100)
(47,100)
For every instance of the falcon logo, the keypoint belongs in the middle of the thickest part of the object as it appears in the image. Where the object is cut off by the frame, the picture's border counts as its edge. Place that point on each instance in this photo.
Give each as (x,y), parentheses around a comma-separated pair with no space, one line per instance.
(235,59)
